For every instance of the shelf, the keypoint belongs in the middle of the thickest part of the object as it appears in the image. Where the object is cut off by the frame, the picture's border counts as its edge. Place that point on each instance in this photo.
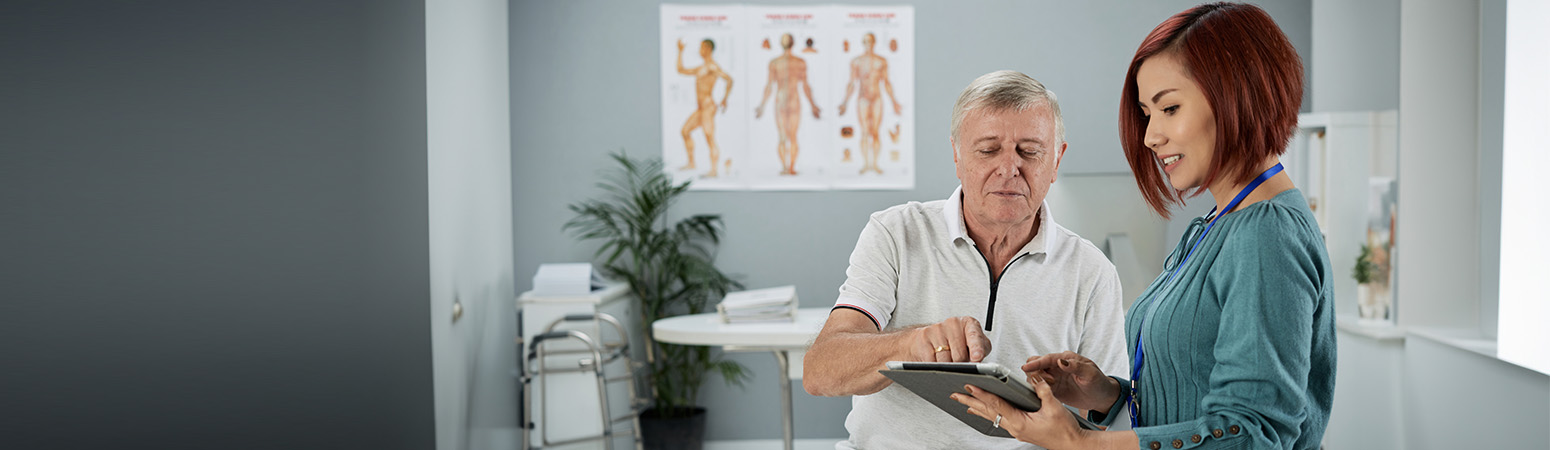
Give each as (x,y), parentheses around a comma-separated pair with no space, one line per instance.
(1381,331)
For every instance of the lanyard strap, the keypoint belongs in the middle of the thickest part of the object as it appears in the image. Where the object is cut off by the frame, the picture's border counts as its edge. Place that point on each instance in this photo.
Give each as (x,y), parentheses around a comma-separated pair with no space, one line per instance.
(1140,358)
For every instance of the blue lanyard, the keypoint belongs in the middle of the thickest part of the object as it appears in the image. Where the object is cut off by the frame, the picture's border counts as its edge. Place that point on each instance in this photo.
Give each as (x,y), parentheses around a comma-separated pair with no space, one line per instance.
(1140,359)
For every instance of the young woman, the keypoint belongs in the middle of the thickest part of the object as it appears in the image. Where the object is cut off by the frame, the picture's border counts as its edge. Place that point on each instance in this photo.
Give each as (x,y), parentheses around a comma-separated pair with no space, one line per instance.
(1233,345)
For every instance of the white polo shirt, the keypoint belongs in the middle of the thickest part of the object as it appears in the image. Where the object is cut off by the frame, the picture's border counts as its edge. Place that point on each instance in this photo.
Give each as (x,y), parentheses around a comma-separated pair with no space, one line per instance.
(915,264)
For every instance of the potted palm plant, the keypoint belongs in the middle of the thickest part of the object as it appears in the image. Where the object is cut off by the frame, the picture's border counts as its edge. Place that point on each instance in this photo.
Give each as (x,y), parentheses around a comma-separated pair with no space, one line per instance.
(671,271)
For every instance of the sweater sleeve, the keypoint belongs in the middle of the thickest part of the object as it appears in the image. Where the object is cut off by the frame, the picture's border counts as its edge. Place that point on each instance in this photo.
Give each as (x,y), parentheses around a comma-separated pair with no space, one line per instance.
(1267,283)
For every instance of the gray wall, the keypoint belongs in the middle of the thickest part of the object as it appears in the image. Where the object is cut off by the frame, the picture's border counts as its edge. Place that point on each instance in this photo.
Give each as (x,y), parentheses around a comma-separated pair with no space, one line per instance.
(584,83)
(1355,55)
(214,221)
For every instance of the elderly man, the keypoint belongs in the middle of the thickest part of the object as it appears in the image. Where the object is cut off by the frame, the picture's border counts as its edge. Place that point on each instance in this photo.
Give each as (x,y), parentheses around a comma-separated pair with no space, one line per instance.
(983,276)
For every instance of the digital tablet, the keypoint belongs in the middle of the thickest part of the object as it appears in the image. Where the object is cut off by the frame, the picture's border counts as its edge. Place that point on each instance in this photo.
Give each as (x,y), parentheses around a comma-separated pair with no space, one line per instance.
(937,382)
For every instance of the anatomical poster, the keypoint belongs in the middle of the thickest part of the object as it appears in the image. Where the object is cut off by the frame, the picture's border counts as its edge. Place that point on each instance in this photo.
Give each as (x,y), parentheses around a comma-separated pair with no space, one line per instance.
(788,98)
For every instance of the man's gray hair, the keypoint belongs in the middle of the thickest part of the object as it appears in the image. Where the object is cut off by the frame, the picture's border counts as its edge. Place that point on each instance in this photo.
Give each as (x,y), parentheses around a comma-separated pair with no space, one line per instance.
(1006,90)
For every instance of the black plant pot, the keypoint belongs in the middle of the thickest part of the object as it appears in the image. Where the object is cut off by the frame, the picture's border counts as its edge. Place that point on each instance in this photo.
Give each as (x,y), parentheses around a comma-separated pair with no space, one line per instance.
(684,429)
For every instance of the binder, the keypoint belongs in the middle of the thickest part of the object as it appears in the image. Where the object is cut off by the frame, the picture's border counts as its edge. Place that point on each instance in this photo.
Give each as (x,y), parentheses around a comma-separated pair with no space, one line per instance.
(776,304)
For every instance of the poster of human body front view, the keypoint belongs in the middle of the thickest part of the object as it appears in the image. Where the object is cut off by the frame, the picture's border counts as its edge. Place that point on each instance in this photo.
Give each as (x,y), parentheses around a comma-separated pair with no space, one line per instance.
(788,98)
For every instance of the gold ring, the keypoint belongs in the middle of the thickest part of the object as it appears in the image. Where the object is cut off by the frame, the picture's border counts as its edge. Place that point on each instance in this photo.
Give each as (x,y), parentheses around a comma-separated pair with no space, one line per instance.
(941,348)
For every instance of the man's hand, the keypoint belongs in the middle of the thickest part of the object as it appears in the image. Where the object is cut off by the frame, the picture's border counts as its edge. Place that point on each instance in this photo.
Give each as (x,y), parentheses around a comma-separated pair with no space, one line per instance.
(957,339)
(815,111)
(898,110)
(724,106)
(680,46)
(1076,380)
(758,111)
(842,109)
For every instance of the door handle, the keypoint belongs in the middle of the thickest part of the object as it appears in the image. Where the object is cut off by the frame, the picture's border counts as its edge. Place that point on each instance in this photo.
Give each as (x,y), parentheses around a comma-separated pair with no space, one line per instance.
(457,310)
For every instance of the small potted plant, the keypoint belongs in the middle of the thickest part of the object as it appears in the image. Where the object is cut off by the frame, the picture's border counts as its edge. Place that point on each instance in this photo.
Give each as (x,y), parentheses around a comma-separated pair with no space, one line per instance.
(671,271)
(1372,277)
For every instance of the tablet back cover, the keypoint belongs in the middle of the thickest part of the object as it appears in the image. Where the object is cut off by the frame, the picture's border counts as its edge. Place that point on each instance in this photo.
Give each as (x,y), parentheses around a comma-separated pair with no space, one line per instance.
(936,387)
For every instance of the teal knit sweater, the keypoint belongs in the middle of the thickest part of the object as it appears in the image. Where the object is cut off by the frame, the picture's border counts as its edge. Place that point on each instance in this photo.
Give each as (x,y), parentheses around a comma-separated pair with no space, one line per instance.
(1240,351)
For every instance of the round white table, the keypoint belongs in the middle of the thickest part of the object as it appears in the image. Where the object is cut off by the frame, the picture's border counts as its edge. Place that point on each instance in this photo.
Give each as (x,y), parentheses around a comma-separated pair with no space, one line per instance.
(779,338)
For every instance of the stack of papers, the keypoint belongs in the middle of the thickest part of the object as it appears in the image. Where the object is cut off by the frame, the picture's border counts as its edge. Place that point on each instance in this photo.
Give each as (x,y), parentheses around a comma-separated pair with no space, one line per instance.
(565,279)
(776,304)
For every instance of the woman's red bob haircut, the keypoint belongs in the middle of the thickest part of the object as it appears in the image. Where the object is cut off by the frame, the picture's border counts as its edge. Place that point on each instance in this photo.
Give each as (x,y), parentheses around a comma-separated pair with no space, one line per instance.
(1251,76)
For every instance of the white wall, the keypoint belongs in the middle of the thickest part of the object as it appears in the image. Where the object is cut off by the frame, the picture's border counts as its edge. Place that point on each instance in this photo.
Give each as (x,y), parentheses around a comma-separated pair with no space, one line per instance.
(1438,383)
(1455,398)
(1524,209)
(469,159)
(1368,393)
(1437,246)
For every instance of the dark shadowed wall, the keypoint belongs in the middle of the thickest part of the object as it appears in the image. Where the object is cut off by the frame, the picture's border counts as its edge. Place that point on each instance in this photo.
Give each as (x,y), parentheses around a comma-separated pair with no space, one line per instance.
(214,225)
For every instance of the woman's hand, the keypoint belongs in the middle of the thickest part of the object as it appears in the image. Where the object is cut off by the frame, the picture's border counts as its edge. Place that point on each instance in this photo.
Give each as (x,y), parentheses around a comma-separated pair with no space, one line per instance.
(1051,427)
(1074,379)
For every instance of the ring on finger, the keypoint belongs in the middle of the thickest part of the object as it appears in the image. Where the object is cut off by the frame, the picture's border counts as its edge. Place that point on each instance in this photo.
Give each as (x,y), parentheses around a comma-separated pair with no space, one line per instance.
(998,421)
(941,348)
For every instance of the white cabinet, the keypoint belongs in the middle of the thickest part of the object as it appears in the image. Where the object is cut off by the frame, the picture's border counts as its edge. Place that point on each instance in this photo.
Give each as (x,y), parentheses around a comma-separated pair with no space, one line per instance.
(566,405)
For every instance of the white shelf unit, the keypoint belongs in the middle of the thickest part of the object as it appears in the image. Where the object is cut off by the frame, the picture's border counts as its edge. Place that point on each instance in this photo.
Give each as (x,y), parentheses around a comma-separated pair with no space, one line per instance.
(1334,158)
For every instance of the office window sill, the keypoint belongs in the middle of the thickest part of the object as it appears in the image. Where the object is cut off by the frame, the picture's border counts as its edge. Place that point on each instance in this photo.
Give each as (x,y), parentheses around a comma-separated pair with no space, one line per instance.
(1460,338)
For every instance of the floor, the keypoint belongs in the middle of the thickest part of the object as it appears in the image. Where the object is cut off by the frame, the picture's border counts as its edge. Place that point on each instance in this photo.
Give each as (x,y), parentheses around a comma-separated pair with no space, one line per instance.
(771,444)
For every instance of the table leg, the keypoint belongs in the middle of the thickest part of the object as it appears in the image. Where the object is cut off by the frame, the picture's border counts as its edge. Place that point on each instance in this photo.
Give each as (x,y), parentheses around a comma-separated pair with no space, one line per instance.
(785,397)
